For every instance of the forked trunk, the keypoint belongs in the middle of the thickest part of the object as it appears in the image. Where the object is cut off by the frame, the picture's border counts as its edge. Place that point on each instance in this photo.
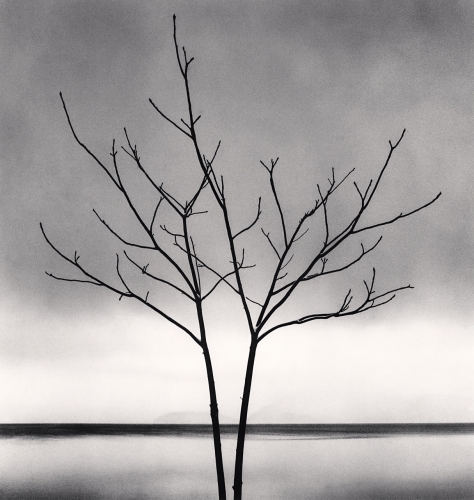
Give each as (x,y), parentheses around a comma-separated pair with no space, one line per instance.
(239,454)
(216,432)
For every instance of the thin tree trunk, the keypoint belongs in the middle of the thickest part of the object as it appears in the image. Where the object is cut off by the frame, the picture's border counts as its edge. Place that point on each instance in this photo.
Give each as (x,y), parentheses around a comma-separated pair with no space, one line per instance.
(239,454)
(216,432)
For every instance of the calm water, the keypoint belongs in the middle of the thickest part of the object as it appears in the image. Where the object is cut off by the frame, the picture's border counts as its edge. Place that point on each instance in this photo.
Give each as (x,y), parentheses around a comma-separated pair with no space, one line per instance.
(281,462)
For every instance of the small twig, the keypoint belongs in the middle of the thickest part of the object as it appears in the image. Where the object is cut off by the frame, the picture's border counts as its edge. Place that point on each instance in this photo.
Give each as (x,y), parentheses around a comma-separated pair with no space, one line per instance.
(166,230)
(220,280)
(259,212)
(123,240)
(144,270)
(253,301)
(324,261)
(59,278)
(326,223)
(197,213)
(155,212)
(277,200)
(300,236)
(83,146)
(170,120)
(401,216)
(289,260)
(267,235)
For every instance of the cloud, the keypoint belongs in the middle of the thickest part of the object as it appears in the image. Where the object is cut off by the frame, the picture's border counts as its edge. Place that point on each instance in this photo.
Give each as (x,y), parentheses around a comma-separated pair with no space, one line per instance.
(321,85)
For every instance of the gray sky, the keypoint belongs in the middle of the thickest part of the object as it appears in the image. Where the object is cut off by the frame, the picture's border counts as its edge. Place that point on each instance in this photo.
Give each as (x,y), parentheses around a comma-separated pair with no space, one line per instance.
(321,85)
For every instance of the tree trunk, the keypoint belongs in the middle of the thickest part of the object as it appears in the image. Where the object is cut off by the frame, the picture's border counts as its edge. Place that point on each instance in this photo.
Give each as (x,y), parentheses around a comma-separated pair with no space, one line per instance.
(239,454)
(216,432)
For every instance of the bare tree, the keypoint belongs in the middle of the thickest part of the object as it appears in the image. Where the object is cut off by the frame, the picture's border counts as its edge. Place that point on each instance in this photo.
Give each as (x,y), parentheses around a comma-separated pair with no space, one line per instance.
(285,278)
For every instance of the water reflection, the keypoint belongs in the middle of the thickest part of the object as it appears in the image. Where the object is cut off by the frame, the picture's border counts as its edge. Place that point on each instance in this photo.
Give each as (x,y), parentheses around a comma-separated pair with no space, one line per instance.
(402,468)
(143,468)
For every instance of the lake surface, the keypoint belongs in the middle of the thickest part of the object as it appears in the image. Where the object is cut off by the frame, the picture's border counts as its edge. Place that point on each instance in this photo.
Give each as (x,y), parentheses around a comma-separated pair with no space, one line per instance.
(317,462)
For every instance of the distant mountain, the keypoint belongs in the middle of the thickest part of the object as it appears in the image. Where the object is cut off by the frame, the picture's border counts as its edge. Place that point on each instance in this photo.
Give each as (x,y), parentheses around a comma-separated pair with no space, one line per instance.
(271,414)
(439,408)
(192,417)
(424,409)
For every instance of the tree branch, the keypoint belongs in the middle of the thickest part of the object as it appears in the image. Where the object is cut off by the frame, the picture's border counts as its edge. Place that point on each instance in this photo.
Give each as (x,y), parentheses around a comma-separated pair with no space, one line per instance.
(387,161)
(188,209)
(222,278)
(275,196)
(125,242)
(370,302)
(118,183)
(144,270)
(323,271)
(217,191)
(401,216)
(75,262)
(155,212)
(337,240)
(166,230)
(83,146)
(172,201)
(169,119)
(219,281)
(73,280)
(267,235)
(153,307)
(259,212)
(192,262)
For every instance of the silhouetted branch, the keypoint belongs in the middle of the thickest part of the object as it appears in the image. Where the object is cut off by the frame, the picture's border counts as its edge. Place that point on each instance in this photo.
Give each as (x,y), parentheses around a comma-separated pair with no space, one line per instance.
(402,215)
(125,242)
(382,171)
(153,307)
(219,281)
(172,201)
(169,119)
(330,245)
(323,271)
(89,152)
(113,154)
(275,196)
(171,233)
(326,223)
(201,263)
(215,153)
(267,235)
(370,302)
(192,257)
(59,278)
(93,280)
(155,212)
(144,270)
(206,167)
(252,223)
(286,263)
(118,183)
(300,236)
(253,301)
(189,206)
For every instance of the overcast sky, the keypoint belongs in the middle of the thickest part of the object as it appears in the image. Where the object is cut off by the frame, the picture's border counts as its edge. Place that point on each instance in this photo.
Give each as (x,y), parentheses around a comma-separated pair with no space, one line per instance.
(319,84)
